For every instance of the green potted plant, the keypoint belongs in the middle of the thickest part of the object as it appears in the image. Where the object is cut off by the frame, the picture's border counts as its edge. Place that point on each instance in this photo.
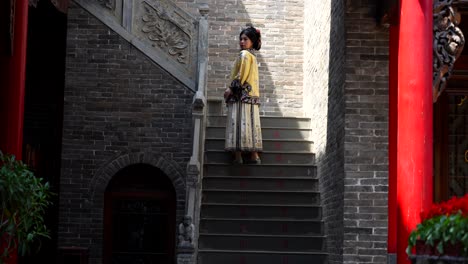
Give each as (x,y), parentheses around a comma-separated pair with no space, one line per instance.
(442,233)
(23,199)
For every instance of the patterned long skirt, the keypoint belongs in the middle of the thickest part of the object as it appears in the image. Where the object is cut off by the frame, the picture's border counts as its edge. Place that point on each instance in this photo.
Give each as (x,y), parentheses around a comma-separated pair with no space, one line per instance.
(243,129)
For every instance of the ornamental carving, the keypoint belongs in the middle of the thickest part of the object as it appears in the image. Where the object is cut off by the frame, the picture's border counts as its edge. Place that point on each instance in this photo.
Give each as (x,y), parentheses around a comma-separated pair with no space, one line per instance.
(186,234)
(109,4)
(448,44)
(163,28)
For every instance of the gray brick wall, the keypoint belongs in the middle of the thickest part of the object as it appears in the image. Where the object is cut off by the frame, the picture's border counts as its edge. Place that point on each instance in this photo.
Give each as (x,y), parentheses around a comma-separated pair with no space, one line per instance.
(324,103)
(281,56)
(120,109)
(366,140)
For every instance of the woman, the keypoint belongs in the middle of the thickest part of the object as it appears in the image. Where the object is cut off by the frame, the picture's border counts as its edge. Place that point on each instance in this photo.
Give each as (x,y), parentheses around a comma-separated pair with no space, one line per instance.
(243,130)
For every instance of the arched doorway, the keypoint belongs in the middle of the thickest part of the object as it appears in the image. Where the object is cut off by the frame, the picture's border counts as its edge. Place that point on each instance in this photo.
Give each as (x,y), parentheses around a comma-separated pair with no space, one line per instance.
(139,217)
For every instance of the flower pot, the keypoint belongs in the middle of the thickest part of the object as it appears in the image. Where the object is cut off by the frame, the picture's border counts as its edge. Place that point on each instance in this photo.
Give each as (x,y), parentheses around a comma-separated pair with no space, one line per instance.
(442,223)
(13,254)
(425,259)
(449,249)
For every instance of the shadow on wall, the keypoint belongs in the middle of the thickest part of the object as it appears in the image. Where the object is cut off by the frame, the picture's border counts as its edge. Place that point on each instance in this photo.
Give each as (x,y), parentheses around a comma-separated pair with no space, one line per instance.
(335,138)
(280,59)
(281,62)
(324,102)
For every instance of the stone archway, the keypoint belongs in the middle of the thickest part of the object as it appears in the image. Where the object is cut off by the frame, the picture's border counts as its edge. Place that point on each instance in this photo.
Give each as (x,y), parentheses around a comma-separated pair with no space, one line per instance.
(94,199)
(103,176)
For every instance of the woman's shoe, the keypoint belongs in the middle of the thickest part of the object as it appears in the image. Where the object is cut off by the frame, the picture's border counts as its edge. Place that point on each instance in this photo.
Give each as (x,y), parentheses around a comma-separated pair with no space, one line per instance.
(256,161)
(238,161)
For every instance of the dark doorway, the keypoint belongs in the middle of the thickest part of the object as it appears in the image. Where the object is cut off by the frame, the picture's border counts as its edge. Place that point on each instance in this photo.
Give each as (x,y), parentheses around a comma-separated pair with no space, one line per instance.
(43,111)
(451,146)
(139,217)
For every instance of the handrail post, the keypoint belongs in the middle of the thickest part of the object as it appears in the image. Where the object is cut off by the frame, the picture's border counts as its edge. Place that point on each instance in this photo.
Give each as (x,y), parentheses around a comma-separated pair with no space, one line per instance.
(188,230)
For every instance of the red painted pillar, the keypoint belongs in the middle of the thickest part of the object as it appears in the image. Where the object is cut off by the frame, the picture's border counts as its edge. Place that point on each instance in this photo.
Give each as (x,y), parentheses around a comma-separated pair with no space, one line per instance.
(414,120)
(12,85)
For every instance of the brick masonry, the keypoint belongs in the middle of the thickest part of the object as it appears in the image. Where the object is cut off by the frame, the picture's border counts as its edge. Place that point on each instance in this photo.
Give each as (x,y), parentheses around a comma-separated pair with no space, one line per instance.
(366,136)
(119,109)
(324,47)
(280,59)
(349,92)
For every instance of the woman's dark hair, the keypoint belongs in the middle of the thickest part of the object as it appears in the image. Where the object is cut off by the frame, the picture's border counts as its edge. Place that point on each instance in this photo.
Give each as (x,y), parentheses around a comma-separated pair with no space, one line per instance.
(254,35)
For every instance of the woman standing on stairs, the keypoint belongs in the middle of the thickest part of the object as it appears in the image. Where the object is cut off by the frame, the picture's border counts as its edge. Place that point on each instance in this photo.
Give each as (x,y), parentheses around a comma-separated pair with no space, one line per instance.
(243,130)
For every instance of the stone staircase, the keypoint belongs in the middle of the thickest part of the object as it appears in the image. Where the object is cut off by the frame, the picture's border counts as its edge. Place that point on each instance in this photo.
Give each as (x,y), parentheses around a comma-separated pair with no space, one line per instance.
(261,214)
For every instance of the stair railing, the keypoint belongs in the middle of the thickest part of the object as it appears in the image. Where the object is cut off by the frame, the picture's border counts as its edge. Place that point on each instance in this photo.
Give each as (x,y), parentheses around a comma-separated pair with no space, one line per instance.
(188,229)
(165,33)
(177,42)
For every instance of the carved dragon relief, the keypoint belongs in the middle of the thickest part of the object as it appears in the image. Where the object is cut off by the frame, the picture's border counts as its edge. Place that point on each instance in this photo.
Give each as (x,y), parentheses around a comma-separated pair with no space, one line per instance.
(164,29)
(448,43)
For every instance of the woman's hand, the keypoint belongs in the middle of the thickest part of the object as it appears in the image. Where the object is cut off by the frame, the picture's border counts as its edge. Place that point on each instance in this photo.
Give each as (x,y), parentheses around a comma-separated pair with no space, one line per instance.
(227,93)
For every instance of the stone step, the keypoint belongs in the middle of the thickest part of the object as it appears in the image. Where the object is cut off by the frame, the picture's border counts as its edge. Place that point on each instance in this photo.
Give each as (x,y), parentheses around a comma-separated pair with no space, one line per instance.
(253,226)
(215,107)
(270,170)
(261,211)
(260,197)
(266,121)
(117,257)
(261,242)
(261,214)
(260,257)
(267,133)
(268,157)
(258,182)
(268,144)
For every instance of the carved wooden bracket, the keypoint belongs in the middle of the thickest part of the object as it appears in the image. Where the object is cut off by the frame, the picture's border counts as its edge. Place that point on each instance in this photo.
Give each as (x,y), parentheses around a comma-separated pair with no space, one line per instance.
(448,43)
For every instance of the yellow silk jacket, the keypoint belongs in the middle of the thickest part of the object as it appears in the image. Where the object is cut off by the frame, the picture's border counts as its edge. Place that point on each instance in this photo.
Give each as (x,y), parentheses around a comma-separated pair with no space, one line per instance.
(246,70)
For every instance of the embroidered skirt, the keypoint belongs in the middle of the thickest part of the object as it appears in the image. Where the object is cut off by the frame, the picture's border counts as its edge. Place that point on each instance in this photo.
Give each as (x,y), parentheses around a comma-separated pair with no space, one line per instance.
(243,129)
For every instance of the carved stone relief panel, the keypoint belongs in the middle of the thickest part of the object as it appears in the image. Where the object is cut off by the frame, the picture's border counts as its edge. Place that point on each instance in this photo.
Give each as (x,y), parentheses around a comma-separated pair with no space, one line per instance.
(159,28)
(162,31)
(166,29)
(448,43)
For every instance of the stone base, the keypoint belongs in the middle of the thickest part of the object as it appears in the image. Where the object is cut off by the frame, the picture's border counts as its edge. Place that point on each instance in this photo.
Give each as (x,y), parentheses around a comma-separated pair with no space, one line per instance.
(185,258)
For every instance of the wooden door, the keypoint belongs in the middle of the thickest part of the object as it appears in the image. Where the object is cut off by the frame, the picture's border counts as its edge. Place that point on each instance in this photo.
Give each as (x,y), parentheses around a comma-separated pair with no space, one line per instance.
(451,146)
(139,218)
